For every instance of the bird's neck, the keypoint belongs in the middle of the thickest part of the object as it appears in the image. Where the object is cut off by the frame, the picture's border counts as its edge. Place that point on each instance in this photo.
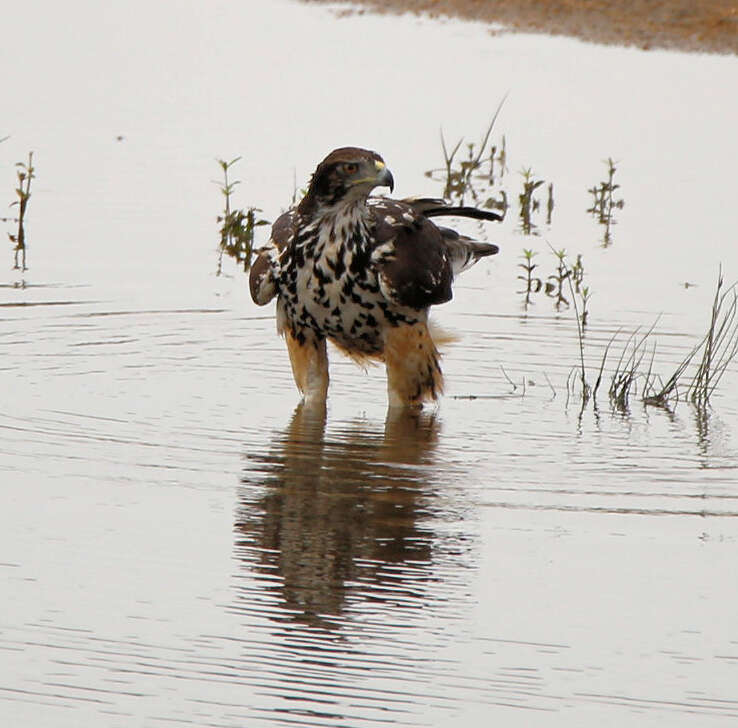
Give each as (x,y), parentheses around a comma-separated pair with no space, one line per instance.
(342,222)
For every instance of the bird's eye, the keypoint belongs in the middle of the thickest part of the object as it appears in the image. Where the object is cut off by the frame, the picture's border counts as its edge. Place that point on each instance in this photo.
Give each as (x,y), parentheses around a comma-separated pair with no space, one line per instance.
(351,168)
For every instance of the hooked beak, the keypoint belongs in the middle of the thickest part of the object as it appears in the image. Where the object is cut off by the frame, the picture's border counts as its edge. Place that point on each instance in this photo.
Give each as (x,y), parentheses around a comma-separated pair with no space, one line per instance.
(384,177)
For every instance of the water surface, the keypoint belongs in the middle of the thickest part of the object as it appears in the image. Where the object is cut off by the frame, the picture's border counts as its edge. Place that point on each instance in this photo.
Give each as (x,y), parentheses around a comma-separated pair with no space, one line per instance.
(183,544)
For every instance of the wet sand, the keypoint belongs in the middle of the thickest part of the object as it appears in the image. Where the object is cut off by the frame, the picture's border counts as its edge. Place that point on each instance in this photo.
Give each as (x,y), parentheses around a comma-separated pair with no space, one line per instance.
(707,25)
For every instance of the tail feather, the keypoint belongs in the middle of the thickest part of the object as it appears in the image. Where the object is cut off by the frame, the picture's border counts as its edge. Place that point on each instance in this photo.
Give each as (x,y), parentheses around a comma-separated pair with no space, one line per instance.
(463,211)
(464,252)
(438,207)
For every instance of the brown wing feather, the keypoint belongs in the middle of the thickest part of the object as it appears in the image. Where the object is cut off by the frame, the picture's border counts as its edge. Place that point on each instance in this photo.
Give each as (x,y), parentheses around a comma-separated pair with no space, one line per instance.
(262,283)
(411,256)
(284,228)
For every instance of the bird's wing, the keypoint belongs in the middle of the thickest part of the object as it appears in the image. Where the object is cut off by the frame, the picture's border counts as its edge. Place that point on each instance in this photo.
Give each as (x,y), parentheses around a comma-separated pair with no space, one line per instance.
(463,252)
(416,258)
(262,278)
(410,255)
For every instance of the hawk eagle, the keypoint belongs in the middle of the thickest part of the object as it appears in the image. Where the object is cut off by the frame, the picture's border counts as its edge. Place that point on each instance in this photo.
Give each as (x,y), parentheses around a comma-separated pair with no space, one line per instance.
(363,272)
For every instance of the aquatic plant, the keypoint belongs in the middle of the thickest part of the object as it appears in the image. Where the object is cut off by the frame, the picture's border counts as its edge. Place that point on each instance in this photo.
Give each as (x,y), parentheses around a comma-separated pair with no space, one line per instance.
(555,283)
(628,369)
(718,347)
(563,275)
(237,226)
(499,158)
(720,344)
(586,389)
(584,296)
(532,284)
(528,203)
(473,174)
(603,202)
(25,172)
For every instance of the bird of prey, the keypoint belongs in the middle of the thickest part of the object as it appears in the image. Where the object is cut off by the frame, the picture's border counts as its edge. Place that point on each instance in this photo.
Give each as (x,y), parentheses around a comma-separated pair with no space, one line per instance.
(363,272)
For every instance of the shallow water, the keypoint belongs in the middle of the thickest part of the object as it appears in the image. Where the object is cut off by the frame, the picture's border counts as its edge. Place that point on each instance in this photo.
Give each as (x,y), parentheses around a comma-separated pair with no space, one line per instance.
(182,544)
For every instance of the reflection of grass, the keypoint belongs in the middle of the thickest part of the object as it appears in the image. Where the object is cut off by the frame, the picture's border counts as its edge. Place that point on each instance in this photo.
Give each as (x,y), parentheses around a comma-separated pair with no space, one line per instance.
(237,226)
(25,173)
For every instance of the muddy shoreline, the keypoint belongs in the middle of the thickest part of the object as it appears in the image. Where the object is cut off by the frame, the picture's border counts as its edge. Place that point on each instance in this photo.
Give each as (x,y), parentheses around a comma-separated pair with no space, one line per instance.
(705,26)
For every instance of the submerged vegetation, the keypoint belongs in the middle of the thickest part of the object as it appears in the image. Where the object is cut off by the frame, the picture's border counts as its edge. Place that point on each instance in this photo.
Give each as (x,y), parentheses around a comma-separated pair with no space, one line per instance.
(237,226)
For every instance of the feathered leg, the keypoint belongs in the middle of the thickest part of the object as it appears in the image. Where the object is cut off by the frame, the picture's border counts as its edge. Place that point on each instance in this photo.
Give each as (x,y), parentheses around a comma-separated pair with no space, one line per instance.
(413,366)
(309,367)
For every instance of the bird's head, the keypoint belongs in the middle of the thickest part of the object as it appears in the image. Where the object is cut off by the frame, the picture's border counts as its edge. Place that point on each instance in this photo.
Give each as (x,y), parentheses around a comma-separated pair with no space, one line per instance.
(345,175)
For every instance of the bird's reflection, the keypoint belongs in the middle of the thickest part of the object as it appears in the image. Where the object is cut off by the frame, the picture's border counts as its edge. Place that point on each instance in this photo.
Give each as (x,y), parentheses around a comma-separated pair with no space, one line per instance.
(339,514)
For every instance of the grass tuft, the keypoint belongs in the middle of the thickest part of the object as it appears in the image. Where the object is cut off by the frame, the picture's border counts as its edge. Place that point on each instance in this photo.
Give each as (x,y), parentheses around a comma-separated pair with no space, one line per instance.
(631,376)
(720,344)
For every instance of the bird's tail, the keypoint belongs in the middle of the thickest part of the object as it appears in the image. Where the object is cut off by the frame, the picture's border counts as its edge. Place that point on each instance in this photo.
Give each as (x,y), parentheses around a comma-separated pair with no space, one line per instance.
(464,252)
(442,337)
(438,207)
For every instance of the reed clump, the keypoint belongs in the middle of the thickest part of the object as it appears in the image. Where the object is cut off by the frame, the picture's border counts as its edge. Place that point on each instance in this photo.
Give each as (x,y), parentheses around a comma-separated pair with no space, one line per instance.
(634,375)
